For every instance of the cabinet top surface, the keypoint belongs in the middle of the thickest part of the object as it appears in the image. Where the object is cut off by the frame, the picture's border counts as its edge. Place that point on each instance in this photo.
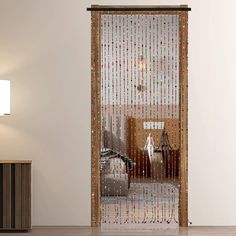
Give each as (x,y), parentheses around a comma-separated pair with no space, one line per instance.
(15,161)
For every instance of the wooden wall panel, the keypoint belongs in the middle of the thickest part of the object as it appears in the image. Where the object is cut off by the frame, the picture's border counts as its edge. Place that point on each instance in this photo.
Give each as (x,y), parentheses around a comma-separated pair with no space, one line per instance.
(15,196)
(18,205)
(25,197)
(1,196)
(7,196)
(12,186)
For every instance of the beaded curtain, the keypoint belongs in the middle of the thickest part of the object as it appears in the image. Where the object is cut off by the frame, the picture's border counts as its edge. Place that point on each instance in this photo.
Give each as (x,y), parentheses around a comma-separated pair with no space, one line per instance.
(139,118)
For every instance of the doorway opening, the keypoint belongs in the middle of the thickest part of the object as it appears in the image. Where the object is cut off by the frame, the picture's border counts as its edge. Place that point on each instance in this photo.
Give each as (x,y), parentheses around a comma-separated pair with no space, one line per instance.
(139,117)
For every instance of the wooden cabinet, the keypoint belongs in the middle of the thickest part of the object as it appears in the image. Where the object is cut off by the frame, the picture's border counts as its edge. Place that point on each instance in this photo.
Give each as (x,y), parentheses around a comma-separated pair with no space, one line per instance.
(15,195)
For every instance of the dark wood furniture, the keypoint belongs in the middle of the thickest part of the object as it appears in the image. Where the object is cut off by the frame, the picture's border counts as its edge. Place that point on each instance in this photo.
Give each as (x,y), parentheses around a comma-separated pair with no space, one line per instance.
(15,195)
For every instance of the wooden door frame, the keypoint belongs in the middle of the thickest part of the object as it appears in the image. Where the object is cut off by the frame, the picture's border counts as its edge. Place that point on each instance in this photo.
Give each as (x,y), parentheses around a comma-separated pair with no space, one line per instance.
(96,98)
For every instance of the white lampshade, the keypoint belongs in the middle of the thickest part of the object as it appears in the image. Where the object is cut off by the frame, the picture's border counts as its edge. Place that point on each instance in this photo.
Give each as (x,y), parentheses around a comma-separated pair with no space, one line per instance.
(4,97)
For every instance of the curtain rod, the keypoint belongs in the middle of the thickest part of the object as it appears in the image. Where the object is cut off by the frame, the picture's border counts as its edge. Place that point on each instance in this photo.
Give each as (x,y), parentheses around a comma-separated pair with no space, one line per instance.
(139,9)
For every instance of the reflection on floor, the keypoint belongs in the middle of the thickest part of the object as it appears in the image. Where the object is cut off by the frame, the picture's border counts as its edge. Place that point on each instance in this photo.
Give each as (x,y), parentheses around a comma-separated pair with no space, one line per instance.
(147,202)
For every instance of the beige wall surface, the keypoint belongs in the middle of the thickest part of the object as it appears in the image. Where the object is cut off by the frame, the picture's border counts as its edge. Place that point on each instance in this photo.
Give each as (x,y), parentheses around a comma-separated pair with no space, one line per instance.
(45,52)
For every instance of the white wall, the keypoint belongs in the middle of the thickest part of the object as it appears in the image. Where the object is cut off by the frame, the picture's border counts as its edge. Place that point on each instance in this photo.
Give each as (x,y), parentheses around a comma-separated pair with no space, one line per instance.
(45,52)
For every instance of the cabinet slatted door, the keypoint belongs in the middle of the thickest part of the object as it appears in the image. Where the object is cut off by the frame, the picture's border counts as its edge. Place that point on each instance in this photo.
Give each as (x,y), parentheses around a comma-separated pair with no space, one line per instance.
(15,195)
